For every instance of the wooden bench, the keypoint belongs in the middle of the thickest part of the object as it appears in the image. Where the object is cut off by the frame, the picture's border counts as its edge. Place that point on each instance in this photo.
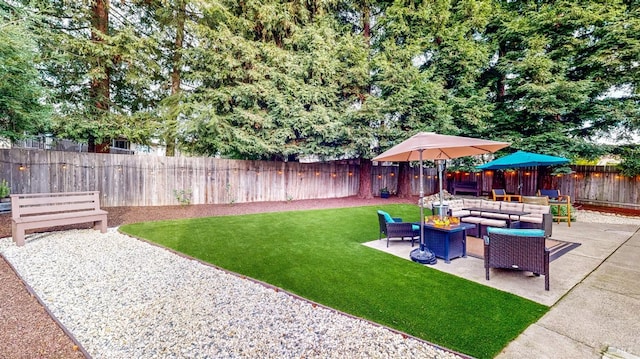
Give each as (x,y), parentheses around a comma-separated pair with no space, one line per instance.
(466,186)
(42,210)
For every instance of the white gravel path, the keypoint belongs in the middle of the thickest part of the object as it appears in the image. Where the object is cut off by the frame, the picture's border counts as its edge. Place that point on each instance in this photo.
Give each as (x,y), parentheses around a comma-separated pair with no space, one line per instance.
(124,298)
(598,217)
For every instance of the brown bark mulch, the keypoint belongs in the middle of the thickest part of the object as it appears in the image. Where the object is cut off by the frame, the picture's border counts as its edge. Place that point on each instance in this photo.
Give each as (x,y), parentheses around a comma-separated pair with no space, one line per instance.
(26,328)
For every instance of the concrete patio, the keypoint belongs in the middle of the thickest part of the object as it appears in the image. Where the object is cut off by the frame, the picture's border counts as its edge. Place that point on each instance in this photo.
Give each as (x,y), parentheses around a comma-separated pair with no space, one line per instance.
(594,292)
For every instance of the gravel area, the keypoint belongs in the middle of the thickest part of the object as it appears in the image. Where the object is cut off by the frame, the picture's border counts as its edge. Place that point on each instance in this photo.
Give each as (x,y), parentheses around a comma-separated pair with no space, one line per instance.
(603,217)
(124,298)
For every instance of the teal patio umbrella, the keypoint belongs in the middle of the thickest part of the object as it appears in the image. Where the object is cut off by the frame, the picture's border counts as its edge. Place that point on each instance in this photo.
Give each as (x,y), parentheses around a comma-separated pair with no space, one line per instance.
(521,159)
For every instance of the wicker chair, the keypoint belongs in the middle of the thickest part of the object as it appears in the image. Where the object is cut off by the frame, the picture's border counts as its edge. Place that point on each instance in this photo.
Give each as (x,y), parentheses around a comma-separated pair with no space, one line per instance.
(397,229)
(517,249)
(499,195)
(553,194)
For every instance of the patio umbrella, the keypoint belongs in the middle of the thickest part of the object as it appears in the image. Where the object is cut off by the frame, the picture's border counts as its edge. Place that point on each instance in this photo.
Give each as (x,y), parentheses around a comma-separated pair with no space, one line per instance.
(521,159)
(436,147)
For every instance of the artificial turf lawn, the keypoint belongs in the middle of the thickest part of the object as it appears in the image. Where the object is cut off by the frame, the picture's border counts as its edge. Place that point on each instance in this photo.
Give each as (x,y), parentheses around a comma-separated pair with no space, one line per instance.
(318,255)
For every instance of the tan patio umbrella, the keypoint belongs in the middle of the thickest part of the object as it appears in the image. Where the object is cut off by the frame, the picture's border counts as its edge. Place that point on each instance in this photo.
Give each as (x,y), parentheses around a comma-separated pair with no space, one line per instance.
(436,147)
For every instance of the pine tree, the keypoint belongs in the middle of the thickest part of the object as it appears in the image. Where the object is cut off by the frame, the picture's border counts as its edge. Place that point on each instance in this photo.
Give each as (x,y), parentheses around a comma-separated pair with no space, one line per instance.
(100,69)
(556,66)
(22,113)
(275,79)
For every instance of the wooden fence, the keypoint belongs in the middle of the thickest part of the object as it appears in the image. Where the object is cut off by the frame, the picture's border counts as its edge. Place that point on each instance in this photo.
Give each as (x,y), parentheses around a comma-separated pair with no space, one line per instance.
(126,180)
(603,185)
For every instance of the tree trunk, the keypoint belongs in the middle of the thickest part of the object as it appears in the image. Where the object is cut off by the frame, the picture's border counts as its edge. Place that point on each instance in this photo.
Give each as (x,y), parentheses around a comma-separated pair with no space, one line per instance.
(99,90)
(501,87)
(365,179)
(366,22)
(366,32)
(366,166)
(172,125)
(404,180)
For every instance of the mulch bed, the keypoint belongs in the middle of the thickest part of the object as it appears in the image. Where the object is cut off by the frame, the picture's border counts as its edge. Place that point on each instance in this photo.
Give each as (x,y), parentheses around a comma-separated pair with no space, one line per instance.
(26,328)
(124,215)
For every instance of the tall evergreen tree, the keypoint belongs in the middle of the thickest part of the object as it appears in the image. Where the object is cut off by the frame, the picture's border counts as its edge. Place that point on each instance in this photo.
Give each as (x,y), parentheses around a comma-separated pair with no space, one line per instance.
(274,80)
(168,23)
(22,112)
(359,18)
(428,60)
(556,65)
(100,72)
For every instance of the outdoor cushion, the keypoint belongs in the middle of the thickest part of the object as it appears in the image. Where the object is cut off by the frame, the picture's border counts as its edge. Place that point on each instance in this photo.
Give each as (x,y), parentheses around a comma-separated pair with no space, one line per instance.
(536,218)
(493,223)
(455,204)
(495,215)
(517,232)
(536,210)
(460,213)
(490,223)
(470,202)
(387,217)
(490,204)
(512,206)
(472,219)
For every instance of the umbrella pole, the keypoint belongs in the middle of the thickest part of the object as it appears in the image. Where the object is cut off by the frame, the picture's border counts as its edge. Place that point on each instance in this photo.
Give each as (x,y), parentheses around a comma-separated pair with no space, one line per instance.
(423,254)
(520,181)
(440,170)
(422,245)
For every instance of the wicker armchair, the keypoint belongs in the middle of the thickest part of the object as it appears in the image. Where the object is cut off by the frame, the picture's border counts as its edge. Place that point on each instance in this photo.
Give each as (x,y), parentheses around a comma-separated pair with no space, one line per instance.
(395,228)
(521,249)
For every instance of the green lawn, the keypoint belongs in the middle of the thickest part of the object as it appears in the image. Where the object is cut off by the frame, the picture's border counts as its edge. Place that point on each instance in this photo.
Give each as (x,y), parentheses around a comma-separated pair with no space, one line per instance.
(318,254)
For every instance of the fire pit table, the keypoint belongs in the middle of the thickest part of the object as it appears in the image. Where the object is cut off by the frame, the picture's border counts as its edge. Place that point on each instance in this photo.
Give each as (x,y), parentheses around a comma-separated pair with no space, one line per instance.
(447,242)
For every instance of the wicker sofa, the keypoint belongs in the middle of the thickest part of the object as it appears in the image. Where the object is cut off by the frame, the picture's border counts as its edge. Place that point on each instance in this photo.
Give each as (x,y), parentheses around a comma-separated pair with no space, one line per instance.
(539,216)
